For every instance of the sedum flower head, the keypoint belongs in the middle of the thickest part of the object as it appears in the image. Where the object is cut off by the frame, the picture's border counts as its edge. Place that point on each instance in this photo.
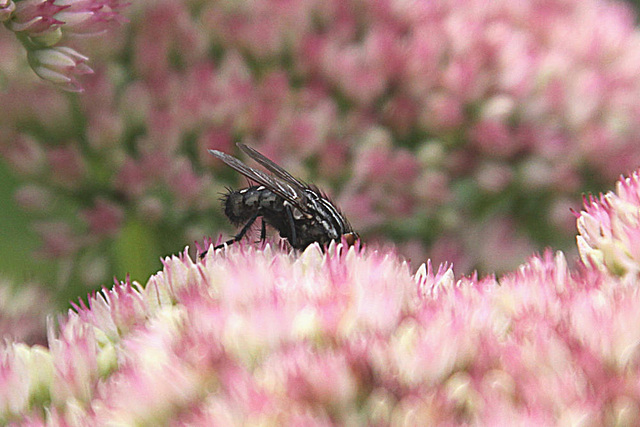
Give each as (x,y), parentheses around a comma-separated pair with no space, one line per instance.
(36,17)
(609,228)
(42,25)
(344,336)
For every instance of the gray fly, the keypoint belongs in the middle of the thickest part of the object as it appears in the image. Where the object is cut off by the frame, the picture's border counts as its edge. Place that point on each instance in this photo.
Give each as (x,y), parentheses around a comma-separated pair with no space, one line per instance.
(301,213)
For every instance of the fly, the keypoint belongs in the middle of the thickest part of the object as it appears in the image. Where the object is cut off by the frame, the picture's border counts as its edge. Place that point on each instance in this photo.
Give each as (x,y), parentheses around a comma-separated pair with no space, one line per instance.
(301,213)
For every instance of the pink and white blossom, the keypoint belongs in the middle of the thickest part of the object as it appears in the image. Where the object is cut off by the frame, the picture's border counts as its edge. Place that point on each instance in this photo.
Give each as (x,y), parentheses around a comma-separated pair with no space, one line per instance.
(248,335)
(609,228)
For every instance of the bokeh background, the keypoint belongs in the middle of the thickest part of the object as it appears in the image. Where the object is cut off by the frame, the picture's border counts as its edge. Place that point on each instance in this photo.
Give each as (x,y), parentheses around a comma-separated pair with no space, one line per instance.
(460,131)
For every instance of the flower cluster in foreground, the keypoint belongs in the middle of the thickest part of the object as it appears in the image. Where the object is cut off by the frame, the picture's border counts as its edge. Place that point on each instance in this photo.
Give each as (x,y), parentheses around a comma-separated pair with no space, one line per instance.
(249,336)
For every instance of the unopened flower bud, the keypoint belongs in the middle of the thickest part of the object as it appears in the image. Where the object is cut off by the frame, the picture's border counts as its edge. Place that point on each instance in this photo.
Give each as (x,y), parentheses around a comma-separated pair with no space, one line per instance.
(60,65)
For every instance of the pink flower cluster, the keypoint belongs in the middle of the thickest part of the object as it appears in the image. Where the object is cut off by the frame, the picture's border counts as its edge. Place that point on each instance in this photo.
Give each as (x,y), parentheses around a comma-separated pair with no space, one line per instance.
(40,25)
(609,229)
(348,336)
(460,130)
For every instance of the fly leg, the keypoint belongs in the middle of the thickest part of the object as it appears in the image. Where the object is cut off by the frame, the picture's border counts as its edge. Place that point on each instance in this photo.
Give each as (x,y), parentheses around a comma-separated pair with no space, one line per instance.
(242,232)
(293,240)
(238,236)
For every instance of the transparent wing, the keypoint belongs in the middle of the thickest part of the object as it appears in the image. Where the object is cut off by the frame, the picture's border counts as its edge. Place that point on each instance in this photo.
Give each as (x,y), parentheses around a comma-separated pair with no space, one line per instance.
(287,190)
(271,166)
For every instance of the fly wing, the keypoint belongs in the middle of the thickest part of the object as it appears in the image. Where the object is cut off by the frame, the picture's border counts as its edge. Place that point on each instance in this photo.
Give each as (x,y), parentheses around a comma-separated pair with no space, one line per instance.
(272,167)
(289,191)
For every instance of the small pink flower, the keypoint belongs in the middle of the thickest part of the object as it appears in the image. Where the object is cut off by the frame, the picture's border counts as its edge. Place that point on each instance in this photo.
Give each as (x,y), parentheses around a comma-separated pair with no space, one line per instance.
(609,228)
(14,380)
(25,155)
(154,356)
(75,360)
(395,173)
(431,281)
(59,240)
(494,138)
(442,111)
(131,179)
(116,311)
(34,198)
(90,16)
(68,167)
(59,65)
(36,17)
(104,218)
(324,378)
(498,244)
(186,185)
(494,177)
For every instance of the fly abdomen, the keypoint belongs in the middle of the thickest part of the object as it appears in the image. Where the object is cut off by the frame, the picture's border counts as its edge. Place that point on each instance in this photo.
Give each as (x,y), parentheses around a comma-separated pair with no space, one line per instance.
(242,205)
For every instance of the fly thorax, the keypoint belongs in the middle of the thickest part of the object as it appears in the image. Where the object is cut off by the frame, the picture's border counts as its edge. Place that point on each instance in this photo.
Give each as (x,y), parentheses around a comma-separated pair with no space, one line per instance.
(241,205)
(270,200)
(331,230)
(329,218)
(250,197)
